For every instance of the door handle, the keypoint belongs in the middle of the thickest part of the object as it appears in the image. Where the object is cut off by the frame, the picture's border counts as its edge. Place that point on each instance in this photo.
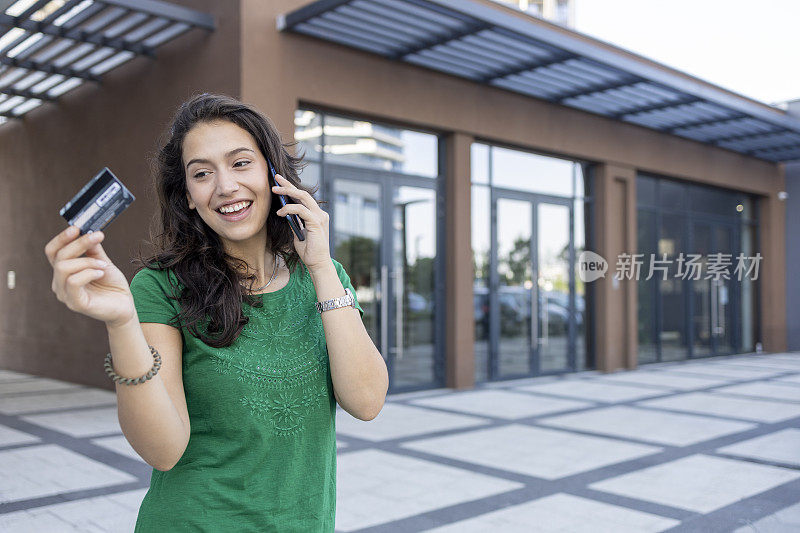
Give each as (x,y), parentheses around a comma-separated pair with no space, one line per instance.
(545,321)
(535,315)
(714,301)
(384,310)
(398,319)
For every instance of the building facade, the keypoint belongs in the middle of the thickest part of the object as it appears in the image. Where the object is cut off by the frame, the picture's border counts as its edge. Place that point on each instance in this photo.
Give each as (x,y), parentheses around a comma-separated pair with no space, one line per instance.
(461,205)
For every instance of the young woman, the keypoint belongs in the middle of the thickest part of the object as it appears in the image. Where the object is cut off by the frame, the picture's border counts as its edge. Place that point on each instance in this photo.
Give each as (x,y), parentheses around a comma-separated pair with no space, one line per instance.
(239,371)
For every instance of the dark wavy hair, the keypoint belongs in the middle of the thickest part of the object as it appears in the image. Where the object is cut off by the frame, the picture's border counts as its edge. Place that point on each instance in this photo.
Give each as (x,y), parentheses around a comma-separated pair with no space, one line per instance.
(184,243)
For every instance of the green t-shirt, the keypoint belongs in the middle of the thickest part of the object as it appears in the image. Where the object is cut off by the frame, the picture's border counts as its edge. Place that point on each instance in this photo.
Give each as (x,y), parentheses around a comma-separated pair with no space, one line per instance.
(262,452)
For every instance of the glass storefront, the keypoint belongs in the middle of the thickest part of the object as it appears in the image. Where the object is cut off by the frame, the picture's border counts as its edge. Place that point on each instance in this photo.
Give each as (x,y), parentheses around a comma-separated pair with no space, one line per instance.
(529,215)
(685,313)
(382,187)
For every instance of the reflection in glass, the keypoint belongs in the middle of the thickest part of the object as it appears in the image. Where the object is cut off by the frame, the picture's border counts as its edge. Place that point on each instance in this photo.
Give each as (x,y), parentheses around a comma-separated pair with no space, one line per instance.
(701,294)
(308,134)
(514,169)
(413,271)
(580,181)
(480,213)
(748,293)
(673,337)
(514,232)
(714,201)
(479,163)
(553,284)
(371,145)
(309,177)
(722,330)
(672,195)
(646,299)
(645,190)
(581,296)
(356,242)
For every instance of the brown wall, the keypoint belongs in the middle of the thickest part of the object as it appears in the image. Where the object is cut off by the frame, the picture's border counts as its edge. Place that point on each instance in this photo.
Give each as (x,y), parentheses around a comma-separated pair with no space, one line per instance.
(49,155)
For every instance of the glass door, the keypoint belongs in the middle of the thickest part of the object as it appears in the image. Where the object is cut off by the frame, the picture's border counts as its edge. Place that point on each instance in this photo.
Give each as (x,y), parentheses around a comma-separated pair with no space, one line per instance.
(512,303)
(384,234)
(713,296)
(532,301)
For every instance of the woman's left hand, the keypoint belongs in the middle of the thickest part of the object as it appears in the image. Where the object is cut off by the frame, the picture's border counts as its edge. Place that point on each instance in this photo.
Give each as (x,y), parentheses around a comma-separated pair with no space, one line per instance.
(314,250)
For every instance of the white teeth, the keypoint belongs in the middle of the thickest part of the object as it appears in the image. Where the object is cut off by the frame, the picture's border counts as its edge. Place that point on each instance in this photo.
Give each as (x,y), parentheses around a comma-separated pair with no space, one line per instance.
(235,207)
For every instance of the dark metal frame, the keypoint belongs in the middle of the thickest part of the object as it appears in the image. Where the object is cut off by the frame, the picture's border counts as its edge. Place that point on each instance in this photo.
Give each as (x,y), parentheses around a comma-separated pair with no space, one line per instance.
(386,180)
(98,17)
(692,218)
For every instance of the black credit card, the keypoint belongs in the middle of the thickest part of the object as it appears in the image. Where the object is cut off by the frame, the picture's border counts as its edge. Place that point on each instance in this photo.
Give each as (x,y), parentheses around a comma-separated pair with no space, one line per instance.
(98,203)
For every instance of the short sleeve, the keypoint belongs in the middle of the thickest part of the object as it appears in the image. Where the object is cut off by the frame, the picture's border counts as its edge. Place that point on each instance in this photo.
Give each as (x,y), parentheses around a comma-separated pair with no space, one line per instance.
(345,279)
(150,288)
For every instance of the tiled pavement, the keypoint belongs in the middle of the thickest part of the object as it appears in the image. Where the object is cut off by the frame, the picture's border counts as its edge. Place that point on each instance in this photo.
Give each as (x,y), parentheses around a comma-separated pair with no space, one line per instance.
(705,445)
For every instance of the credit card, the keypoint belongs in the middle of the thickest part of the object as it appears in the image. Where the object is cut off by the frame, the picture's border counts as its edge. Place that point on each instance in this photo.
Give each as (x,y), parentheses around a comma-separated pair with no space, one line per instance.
(98,203)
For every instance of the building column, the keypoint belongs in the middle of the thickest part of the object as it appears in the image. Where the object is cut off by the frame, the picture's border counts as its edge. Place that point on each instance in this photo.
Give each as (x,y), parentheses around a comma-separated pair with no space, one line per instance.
(459,275)
(615,300)
(773,270)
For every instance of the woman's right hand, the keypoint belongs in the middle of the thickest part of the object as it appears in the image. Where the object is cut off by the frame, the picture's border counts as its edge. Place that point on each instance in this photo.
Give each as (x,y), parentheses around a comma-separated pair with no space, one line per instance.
(84,284)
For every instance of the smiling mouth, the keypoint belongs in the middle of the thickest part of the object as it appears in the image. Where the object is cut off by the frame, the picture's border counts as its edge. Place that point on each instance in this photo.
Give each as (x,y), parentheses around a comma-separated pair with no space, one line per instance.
(234,209)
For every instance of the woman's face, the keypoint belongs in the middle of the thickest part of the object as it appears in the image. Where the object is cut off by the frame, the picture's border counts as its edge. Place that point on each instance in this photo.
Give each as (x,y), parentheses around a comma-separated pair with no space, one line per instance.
(225,169)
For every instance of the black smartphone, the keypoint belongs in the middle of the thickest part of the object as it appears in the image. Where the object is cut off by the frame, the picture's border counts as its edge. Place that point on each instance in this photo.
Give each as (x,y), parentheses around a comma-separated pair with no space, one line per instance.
(294,220)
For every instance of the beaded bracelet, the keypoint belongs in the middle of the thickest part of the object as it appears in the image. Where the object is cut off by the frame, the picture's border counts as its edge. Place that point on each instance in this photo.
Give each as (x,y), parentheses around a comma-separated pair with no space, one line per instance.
(134,381)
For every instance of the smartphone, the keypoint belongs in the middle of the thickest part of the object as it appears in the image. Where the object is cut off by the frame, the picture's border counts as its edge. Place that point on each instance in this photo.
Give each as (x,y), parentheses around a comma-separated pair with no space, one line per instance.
(294,220)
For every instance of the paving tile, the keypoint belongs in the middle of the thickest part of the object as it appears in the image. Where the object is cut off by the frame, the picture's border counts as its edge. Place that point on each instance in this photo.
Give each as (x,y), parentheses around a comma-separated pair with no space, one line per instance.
(31,521)
(12,437)
(79,422)
(594,390)
(779,447)
(717,404)
(374,487)
(533,451)
(58,400)
(35,385)
(784,521)
(9,375)
(118,444)
(764,389)
(562,513)
(102,513)
(793,356)
(396,421)
(777,365)
(793,378)
(49,469)
(647,425)
(500,404)
(661,378)
(723,371)
(698,483)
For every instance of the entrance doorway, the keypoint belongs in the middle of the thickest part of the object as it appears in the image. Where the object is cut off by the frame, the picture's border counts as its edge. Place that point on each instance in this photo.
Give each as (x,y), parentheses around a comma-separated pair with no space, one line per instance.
(534,311)
(384,232)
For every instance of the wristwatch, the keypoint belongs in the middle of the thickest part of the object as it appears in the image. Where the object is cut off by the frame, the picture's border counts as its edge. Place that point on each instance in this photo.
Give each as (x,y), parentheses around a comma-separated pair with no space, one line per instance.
(336,303)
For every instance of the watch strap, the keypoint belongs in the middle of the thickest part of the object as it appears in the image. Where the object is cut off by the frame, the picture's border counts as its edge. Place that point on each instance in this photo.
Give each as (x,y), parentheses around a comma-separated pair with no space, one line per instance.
(336,303)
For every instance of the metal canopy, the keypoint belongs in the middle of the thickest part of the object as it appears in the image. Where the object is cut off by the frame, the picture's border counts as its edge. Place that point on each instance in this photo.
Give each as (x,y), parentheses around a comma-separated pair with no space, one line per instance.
(486,45)
(49,47)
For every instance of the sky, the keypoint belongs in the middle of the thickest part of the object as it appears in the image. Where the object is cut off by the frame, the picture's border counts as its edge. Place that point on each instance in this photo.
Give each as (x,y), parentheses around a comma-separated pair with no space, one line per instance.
(750,47)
